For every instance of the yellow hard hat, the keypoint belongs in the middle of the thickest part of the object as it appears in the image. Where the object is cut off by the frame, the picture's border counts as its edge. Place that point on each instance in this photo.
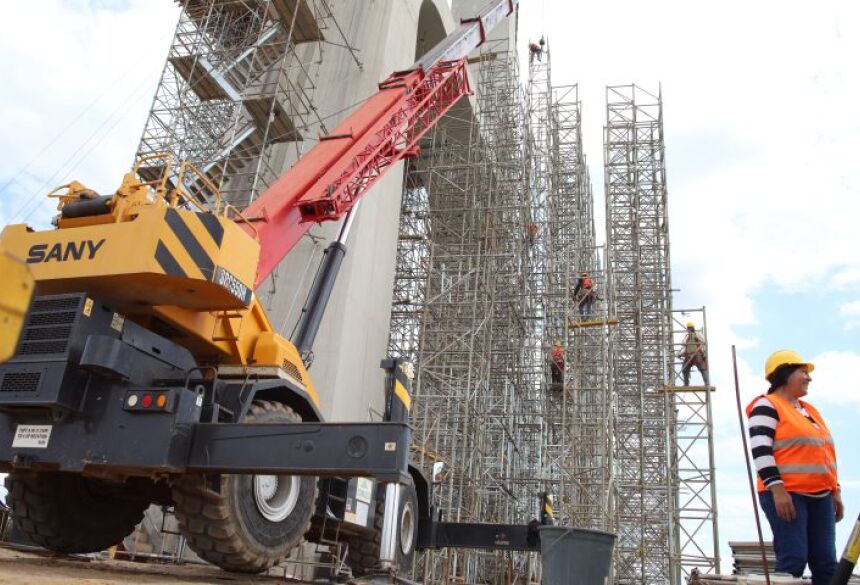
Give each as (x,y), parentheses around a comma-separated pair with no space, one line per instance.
(557,342)
(691,325)
(784,357)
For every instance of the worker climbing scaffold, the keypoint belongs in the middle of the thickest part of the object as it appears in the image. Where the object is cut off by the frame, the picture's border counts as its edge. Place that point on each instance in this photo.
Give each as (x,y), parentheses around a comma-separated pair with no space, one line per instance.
(584,294)
(556,366)
(693,353)
(536,50)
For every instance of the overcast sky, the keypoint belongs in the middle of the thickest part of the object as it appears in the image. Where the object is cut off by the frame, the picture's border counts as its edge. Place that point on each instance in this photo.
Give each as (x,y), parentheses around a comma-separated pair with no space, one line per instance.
(762,128)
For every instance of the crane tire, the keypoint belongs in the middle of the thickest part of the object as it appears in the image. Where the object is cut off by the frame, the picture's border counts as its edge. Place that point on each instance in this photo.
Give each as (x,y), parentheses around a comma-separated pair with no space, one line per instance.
(250,522)
(363,552)
(68,513)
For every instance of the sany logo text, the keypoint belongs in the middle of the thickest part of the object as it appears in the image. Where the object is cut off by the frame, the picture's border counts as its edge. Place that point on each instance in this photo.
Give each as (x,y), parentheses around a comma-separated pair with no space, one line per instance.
(61,252)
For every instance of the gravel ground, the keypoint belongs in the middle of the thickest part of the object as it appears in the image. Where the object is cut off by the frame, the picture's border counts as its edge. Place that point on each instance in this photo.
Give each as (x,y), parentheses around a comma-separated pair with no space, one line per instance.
(38,568)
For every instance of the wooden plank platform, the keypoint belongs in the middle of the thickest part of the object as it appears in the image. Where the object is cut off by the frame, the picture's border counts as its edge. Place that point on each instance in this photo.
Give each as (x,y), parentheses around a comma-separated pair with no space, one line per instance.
(151,173)
(305,29)
(592,323)
(281,129)
(194,71)
(687,388)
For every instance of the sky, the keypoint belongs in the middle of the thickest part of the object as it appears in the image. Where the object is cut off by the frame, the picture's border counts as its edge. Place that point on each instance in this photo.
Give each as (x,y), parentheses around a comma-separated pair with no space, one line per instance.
(761,129)
(761,123)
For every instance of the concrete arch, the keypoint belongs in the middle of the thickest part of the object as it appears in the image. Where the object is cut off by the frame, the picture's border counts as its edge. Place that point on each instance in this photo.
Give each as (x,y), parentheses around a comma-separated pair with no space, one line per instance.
(435,22)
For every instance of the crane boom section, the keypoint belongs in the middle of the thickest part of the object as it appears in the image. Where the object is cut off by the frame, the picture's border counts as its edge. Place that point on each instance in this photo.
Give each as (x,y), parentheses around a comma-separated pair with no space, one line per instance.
(471,34)
(326,182)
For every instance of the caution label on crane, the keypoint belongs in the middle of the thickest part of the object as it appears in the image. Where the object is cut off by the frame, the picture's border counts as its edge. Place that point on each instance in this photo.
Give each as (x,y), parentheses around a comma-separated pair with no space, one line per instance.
(32,436)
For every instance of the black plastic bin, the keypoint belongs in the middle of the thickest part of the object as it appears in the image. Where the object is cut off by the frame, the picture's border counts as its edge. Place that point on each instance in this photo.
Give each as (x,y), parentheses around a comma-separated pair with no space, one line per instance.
(575,556)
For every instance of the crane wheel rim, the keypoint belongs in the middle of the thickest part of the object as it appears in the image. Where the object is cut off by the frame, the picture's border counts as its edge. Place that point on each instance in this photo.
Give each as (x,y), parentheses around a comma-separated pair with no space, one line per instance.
(276,495)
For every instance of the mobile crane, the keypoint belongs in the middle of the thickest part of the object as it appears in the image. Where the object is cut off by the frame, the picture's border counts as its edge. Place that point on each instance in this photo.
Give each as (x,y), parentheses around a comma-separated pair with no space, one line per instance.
(148,370)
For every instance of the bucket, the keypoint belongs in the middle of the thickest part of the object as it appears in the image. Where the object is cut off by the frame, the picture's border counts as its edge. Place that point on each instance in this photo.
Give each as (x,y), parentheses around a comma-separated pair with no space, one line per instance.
(575,556)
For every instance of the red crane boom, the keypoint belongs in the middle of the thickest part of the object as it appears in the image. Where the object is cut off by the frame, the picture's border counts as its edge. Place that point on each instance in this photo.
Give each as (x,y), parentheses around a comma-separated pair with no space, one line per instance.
(326,182)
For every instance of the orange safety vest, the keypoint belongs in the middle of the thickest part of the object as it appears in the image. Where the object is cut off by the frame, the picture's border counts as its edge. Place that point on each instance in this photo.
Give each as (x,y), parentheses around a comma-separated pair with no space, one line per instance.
(805,455)
(558,355)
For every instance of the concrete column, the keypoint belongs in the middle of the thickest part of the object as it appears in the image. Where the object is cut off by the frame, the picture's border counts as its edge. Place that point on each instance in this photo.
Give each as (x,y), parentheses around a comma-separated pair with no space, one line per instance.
(353,336)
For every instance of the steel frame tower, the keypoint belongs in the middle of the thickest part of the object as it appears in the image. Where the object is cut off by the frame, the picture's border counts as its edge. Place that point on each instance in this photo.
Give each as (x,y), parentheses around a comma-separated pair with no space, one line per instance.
(693,468)
(638,258)
(480,297)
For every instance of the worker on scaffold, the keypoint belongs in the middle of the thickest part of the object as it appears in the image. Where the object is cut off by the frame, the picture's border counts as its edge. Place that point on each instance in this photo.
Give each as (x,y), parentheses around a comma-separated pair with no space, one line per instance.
(556,365)
(531,233)
(693,353)
(535,51)
(547,516)
(584,294)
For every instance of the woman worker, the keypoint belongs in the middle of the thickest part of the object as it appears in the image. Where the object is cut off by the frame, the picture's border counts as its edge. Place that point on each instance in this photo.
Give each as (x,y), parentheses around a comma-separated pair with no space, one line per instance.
(796,463)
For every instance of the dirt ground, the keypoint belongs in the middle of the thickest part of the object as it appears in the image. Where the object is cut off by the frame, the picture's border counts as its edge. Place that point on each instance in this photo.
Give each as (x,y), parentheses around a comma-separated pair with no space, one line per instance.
(30,568)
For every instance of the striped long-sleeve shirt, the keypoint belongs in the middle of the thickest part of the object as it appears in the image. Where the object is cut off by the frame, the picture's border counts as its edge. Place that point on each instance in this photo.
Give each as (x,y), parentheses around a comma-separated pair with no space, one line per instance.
(763,422)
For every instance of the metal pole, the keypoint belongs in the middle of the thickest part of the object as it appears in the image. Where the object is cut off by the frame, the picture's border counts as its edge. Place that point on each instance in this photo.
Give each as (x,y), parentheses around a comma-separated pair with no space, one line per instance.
(749,467)
(710,421)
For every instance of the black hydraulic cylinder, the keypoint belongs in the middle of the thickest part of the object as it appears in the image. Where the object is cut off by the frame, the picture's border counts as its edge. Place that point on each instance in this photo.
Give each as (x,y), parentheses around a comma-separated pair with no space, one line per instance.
(849,557)
(314,309)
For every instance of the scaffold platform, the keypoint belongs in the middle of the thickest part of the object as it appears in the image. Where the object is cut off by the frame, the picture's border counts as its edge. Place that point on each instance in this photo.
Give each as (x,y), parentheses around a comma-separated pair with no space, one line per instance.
(671,388)
(592,323)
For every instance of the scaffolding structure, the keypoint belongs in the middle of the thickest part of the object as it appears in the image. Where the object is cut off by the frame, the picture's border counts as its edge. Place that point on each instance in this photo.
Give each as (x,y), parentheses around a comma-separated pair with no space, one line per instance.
(576,414)
(585,448)
(496,227)
(460,313)
(697,536)
(637,237)
(236,94)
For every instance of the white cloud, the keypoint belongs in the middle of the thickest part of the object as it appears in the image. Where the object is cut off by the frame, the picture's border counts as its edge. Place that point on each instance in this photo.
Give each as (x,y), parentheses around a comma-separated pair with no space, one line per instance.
(846,278)
(835,379)
(851,309)
(75,95)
